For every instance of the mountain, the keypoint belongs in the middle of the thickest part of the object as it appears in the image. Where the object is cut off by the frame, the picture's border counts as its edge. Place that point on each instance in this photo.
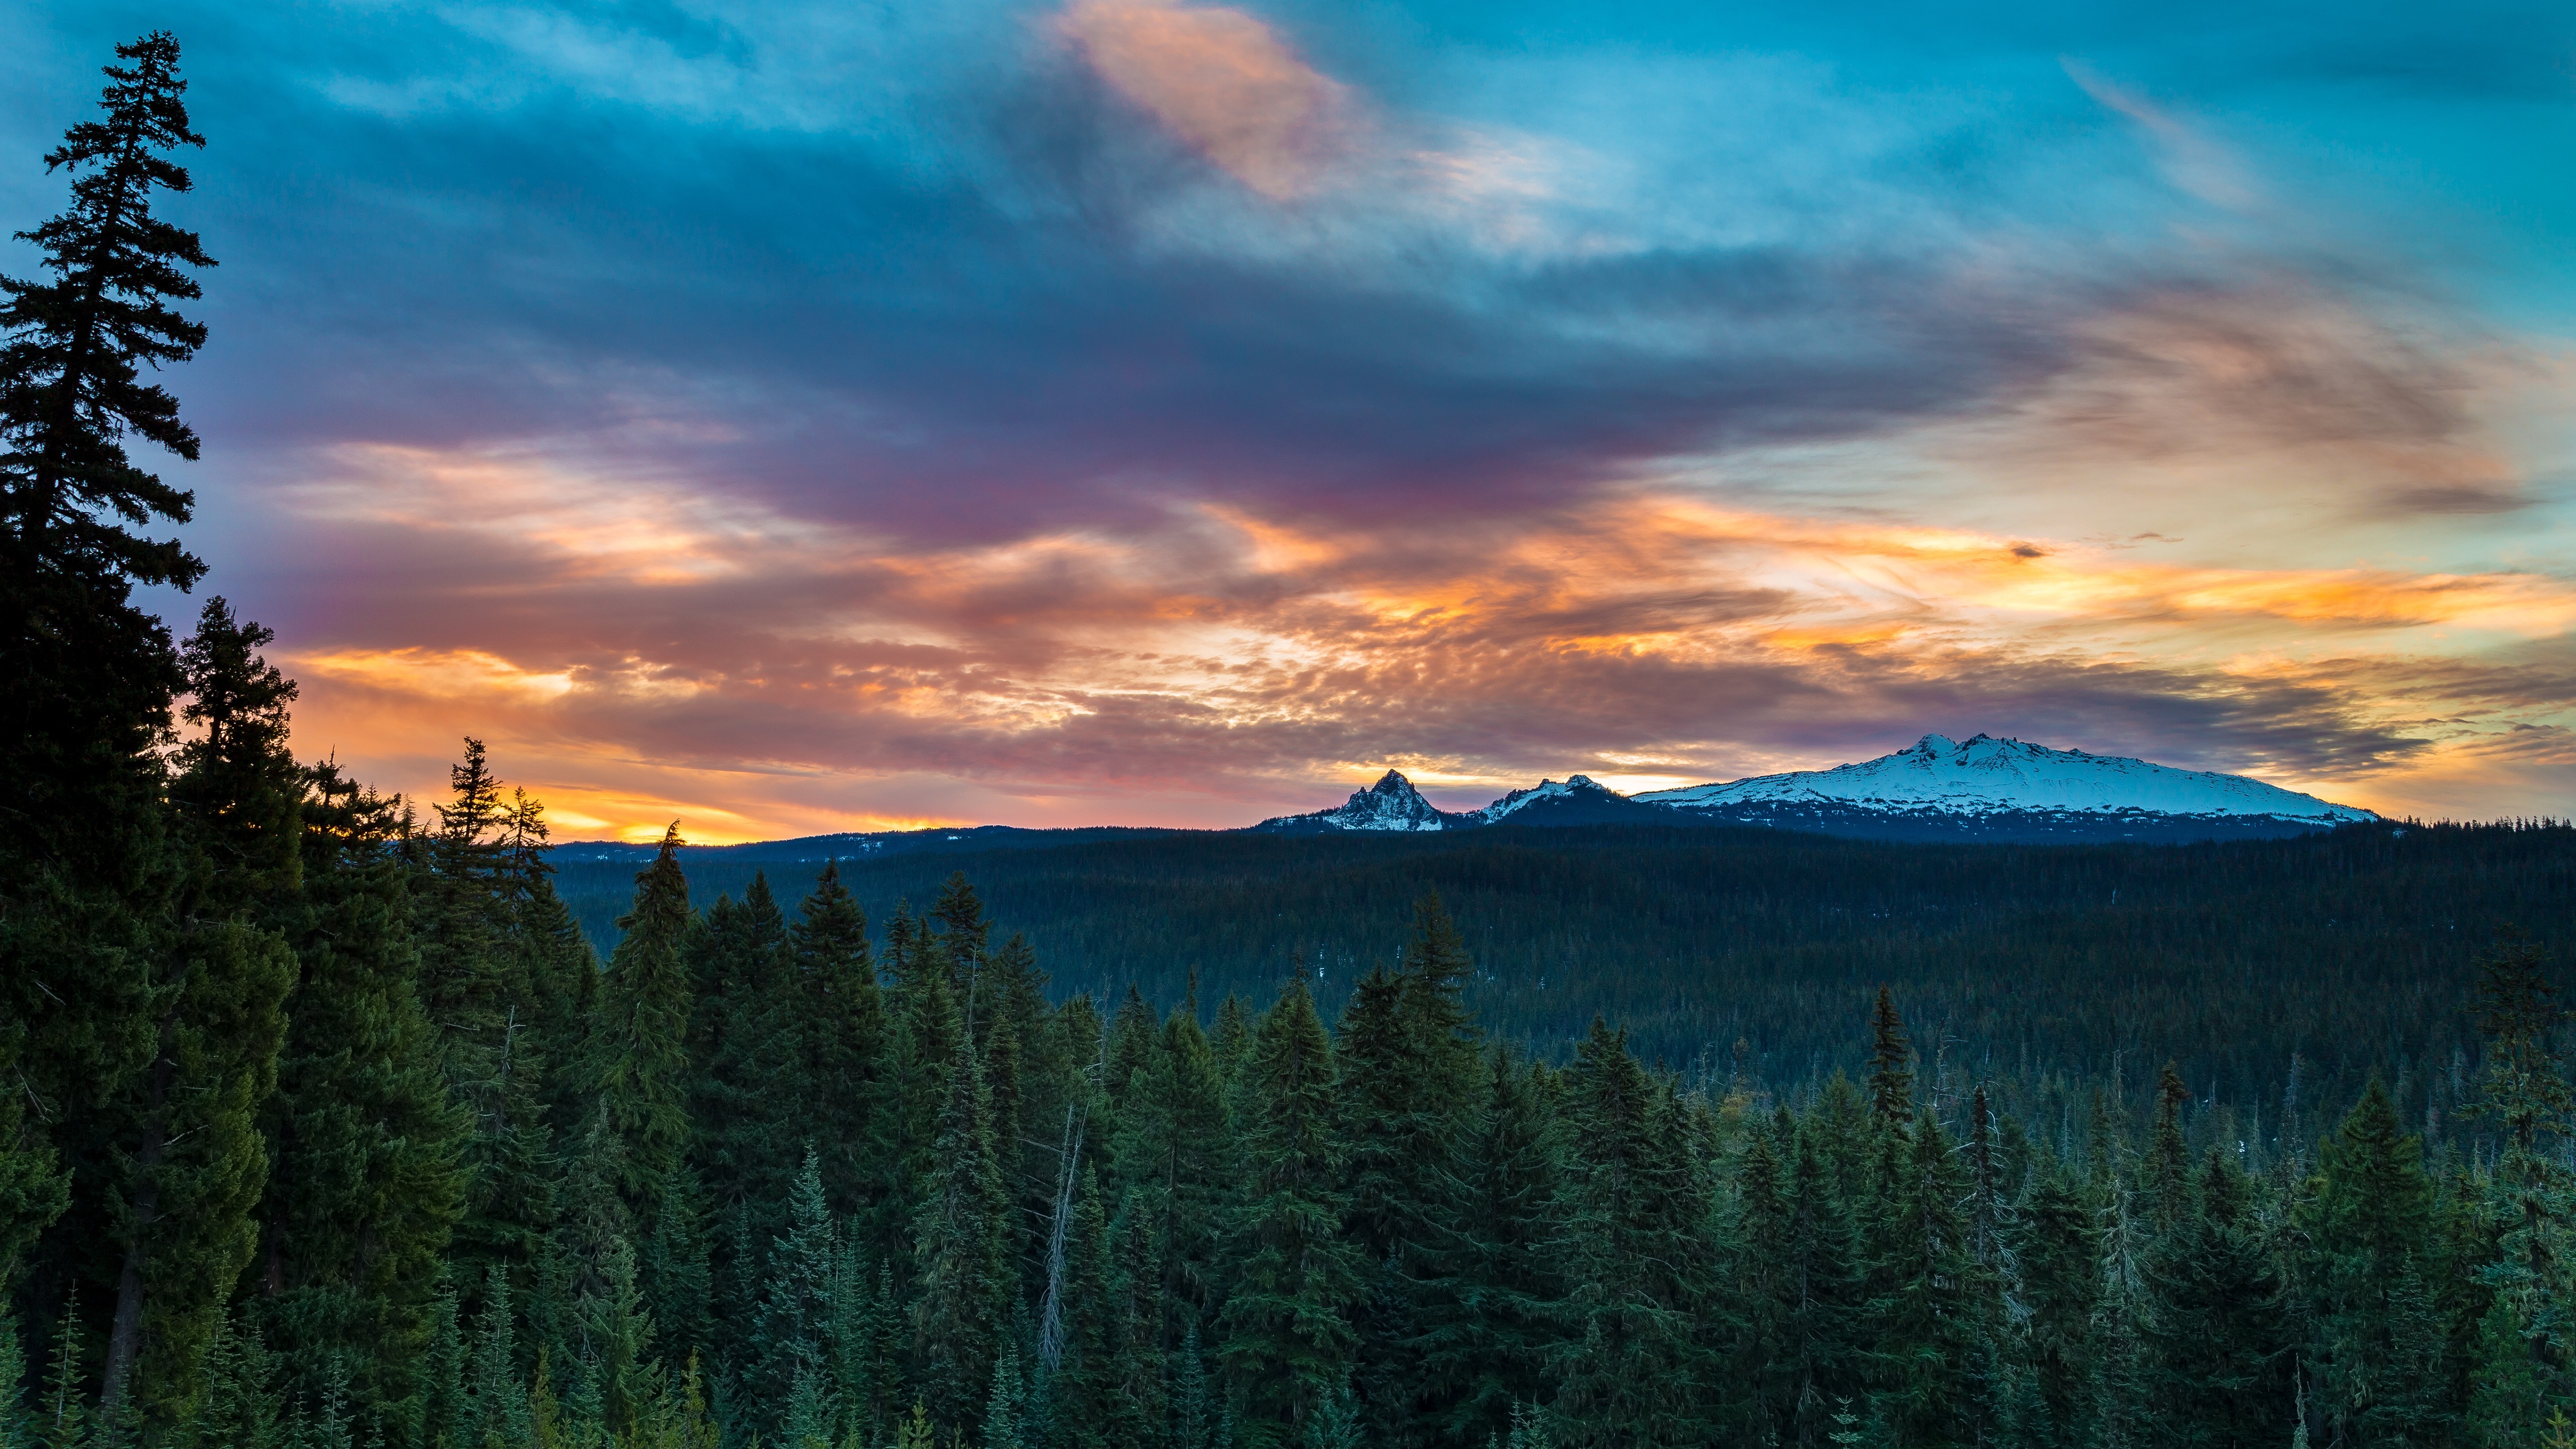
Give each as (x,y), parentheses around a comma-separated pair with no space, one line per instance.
(1390,804)
(2003,789)
(1581,800)
(1982,789)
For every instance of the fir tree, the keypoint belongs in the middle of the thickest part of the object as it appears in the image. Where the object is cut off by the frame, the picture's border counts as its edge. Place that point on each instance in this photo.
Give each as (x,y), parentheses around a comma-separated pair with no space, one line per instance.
(198,1165)
(1287,1341)
(640,1055)
(2370,1226)
(2218,1333)
(368,1186)
(2061,1284)
(1486,1333)
(1627,1367)
(840,1018)
(798,1300)
(961,1301)
(2165,1175)
(1891,1057)
(90,674)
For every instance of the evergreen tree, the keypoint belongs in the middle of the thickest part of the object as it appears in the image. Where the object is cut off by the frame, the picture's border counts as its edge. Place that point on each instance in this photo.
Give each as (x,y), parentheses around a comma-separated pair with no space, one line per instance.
(1287,1341)
(2218,1333)
(840,1018)
(798,1303)
(1627,1370)
(2370,1227)
(1927,1324)
(1486,1333)
(368,1186)
(2061,1286)
(2165,1175)
(90,674)
(1173,1146)
(494,1405)
(2526,1095)
(198,1165)
(1891,1057)
(640,1054)
(961,1303)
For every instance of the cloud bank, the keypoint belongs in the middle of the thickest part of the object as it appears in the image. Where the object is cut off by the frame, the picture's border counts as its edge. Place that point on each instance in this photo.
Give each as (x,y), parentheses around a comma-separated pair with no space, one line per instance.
(794,418)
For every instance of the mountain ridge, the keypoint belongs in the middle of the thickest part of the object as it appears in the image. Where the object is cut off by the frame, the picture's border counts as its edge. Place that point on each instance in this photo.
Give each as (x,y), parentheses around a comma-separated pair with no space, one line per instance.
(1983,788)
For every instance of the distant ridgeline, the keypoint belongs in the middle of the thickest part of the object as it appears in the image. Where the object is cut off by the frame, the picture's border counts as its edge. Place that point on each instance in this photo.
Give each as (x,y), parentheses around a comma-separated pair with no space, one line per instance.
(2348,948)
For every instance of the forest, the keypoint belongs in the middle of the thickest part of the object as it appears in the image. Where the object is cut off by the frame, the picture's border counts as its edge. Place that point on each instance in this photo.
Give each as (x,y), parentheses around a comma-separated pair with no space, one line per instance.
(327,1126)
(1747,950)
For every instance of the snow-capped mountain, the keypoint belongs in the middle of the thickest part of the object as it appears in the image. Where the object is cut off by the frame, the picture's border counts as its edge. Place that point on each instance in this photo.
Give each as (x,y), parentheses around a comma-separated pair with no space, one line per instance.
(1580,800)
(1390,804)
(2009,788)
(1939,789)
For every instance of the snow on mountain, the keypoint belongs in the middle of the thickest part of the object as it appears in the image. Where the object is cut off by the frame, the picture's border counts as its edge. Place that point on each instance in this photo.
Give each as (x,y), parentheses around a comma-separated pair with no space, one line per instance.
(1390,804)
(1580,800)
(1543,791)
(1986,776)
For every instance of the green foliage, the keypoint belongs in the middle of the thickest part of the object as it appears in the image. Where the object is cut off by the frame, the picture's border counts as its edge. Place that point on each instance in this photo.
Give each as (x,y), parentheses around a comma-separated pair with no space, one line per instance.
(1287,1338)
(639,1043)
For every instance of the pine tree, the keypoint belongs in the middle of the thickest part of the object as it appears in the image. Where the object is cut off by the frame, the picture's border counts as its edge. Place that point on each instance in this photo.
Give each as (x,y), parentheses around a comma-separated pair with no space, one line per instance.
(1086,1384)
(2120,1381)
(1627,1366)
(495,1403)
(2526,1095)
(2218,1336)
(241,1405)
(469,892)
(1174,1148)
(961,1300)
(840,1016)
(2165,1175)
(2370,1230)
(1891,1056)
(90,674)
(792,1346)
(640,1053)
(748,1099)
(2061,1284)
(1487,1332)
(367,1186)
(1408,1066)
(1927,1324)
(1287,1343)
(198,1165)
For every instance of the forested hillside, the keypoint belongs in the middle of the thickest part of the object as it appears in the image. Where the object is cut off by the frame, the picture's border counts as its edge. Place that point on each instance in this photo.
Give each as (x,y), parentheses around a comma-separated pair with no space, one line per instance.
(2348,951)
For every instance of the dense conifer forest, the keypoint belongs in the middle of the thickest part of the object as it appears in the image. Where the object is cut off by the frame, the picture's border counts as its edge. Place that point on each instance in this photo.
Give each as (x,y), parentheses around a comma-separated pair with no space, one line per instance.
(2346,953)
(326,1126)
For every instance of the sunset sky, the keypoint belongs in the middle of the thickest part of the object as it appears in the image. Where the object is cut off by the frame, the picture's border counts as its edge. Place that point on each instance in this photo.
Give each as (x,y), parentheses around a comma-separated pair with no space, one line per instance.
(792,418)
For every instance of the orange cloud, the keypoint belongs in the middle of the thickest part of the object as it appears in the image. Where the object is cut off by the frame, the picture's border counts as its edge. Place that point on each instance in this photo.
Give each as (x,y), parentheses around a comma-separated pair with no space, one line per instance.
(1204,666)
(1221,82)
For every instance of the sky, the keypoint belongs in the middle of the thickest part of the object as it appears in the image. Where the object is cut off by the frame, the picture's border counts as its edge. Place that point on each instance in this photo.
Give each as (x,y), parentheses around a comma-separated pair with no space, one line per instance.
(795,417)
